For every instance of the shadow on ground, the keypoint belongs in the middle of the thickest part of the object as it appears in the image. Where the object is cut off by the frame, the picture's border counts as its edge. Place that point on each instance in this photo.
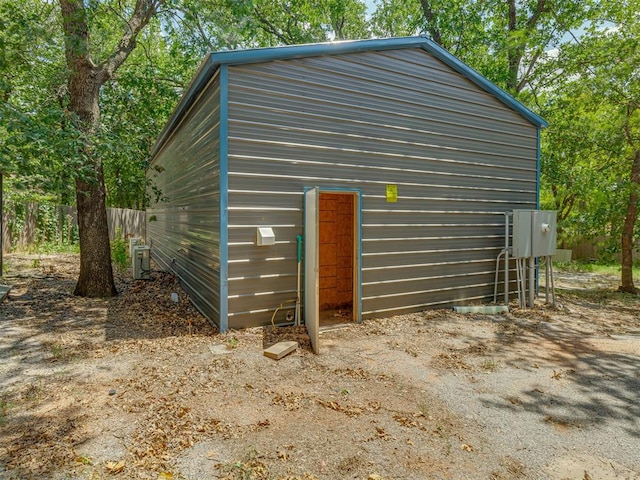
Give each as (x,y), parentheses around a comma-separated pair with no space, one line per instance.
(596,367)
(45,333)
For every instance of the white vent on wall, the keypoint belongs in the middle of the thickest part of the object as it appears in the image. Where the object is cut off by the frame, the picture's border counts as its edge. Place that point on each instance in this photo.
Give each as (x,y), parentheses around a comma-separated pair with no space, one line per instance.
(265,236)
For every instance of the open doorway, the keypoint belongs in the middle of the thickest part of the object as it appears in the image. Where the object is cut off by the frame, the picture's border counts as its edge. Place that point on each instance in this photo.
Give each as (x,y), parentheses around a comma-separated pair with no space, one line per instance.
(332,245)
(336,216)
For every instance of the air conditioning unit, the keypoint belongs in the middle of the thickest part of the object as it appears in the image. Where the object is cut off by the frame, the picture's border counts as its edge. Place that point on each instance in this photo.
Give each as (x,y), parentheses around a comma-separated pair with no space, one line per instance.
(141,262)
(132,243)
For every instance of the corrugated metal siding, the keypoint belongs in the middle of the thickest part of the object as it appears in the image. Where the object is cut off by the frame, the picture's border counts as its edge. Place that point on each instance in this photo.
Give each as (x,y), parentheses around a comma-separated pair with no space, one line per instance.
(459,156)
(185,235)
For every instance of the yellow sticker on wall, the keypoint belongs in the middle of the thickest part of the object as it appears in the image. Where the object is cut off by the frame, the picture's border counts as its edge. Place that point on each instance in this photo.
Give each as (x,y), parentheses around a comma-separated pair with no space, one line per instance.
(392,193)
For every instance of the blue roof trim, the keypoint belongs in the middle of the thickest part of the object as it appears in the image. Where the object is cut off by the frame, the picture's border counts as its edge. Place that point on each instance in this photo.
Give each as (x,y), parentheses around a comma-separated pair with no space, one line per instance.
(468,72)
(258,55)
(212,62)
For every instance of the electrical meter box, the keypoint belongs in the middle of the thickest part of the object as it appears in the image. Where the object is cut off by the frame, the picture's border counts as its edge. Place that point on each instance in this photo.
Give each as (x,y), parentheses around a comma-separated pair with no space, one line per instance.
(521,245)
(543,233)
(534,233)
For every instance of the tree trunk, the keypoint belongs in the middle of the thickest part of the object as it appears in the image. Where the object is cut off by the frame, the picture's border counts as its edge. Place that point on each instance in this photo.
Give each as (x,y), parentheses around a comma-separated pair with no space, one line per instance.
(85,81)
(96,272)
(628,228)
(434,31)
(514,47)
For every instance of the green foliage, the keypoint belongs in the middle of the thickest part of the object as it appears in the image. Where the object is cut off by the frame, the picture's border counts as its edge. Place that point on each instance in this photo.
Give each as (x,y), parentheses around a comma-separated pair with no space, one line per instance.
(120,252)
(574,266)
(597,267)
(6,404)
(575,62)
(261,23)
(39,142)
(135,105)
(590,95)
(36,224)
(49,248)
(483,34)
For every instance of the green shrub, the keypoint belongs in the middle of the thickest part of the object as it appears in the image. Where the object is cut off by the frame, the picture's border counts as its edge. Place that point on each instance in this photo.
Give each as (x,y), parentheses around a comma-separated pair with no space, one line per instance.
(574,266)
(120,252)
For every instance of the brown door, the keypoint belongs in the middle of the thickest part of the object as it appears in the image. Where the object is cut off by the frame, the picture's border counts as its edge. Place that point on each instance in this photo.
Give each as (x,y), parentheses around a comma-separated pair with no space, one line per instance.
(336,216)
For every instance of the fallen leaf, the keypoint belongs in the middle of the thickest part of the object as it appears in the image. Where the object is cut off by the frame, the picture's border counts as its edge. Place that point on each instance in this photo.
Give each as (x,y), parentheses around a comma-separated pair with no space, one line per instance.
(466,447)
(115,467)
(84,460)
(374,476)
(165,476)
(211,454)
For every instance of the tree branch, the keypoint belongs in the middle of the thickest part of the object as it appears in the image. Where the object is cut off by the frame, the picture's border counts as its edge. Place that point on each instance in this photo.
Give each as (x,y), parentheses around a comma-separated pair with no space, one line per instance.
(74,24)
(268,27)
(630,109)
(525,78)
(434,31)
(535,16)
(205,37)
(142,14)
(516,52)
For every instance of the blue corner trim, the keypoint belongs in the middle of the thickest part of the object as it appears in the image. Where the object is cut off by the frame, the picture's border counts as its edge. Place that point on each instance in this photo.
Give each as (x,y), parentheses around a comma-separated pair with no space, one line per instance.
(538,169)
(360,202)
(224,198)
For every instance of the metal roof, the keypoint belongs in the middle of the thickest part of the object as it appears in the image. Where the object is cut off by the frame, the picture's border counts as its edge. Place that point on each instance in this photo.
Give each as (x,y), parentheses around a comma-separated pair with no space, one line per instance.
(214,60)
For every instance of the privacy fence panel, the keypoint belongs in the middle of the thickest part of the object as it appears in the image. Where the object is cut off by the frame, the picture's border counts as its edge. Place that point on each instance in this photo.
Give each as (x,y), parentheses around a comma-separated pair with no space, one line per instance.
(32,223)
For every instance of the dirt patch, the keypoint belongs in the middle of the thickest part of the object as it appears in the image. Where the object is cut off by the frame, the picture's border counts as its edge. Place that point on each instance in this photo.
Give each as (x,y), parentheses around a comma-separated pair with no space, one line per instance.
(141,386)
(273,335)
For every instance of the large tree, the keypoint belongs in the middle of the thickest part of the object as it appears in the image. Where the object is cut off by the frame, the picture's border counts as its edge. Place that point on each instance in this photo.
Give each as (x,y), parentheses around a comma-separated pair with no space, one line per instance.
(503,39)
(260,23)
(86,77)
(595,80)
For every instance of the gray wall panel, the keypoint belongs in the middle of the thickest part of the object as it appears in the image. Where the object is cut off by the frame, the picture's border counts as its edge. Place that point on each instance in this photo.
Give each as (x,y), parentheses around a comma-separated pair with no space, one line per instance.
(459,156)
(184,229)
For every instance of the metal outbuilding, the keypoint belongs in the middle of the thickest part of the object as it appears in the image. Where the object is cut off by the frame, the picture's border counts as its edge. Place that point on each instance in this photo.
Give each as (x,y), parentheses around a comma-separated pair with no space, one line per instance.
(393,159)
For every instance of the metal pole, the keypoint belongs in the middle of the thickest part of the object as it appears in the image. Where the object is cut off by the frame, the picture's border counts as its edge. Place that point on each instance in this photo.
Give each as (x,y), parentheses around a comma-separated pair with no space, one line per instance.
(532,279)
(553,287)
(495,278)
(546,279)
(522,292)
(506,258)
(518,282)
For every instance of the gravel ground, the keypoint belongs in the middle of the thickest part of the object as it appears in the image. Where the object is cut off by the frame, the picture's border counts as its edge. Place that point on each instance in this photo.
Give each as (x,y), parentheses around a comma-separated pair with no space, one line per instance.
(141,387)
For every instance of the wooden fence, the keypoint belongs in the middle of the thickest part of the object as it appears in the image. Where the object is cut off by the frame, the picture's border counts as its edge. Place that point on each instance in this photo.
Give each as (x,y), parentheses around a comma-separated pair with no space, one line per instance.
(126,223)
(122,221)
